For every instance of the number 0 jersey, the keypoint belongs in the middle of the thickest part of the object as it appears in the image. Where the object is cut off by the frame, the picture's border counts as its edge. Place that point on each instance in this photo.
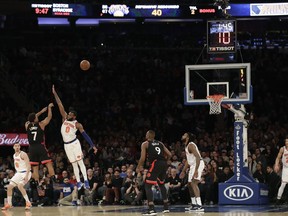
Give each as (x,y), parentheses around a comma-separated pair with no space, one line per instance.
(68,130)
(155,151)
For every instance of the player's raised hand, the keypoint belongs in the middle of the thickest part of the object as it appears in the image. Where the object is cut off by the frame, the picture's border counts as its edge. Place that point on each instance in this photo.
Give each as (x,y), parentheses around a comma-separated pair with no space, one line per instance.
(95,149)
(53,89)
(51,105)
(44,110)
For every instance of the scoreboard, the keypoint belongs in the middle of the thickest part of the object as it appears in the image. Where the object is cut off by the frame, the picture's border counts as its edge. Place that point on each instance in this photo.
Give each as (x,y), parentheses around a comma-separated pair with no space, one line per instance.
(165,10)
(124,10)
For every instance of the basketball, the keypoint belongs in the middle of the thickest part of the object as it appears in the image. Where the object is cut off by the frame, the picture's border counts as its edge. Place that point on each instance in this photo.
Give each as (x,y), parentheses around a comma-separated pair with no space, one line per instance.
(84,65)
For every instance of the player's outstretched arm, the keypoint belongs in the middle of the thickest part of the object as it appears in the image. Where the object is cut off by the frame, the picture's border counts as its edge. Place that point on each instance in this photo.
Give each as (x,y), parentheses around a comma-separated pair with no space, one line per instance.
(49,116)
(59,103)
(41,111)
(86,137)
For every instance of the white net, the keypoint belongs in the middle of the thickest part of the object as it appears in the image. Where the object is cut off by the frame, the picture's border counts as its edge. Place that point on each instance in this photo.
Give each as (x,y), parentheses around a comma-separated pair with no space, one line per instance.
(215,103)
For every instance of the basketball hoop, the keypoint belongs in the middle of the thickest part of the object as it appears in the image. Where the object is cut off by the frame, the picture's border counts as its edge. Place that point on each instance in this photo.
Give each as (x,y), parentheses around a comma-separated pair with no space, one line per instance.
(215,103)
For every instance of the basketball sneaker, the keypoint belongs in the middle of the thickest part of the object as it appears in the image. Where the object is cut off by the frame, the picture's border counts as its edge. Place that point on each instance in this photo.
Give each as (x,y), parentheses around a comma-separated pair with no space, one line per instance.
(28,206)
(166,211)
(190,207)
(86,184)
(150,212)
(166,208)
(7,206)
(79,185)
(197,208)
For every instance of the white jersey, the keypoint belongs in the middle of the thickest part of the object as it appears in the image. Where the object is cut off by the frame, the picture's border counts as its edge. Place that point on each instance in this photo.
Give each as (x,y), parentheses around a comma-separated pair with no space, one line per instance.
(68,130)
(191,159)
(19,163)
(285,157)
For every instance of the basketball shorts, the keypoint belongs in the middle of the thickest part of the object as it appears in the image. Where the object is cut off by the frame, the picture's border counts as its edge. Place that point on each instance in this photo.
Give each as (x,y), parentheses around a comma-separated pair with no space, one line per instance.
(73,151)
(157,172)
(192,171)
(38,154)
(18,178)
(285,174)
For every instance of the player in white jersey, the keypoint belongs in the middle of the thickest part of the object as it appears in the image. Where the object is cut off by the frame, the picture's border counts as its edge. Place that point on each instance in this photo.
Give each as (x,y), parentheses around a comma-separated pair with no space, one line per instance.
(196,165)
(21,177)
(72,145)
(283,156)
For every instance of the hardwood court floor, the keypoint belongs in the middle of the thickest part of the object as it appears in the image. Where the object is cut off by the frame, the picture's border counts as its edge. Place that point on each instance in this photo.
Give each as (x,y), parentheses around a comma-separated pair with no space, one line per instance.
(176,210)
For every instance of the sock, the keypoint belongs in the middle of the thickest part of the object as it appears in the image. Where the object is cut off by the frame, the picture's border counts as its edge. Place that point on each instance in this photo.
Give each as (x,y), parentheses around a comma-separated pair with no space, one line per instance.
(9,200)
(83,169)
(26,198)
(198,201)
(76,171)
(193,200)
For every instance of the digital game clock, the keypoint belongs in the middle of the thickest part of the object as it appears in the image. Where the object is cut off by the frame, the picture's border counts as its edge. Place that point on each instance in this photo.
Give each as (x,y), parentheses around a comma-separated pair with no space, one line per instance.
(221,36)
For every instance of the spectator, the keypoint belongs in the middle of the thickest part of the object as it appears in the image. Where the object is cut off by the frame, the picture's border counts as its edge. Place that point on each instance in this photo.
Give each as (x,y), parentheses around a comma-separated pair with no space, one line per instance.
(89,196)
(69,194)
(259,174)
(273,181)
(133,194)
(173,186)
(113,193)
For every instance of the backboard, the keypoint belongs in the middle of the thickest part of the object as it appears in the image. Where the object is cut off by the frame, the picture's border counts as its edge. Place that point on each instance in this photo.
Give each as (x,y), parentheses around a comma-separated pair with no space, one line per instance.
(233,80)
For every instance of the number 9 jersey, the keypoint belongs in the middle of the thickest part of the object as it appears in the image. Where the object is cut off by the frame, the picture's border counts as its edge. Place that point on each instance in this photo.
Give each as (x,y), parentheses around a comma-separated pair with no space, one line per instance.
(155,151)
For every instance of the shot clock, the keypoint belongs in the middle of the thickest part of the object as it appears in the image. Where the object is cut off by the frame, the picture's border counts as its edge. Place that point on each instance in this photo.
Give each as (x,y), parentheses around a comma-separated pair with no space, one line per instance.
(221,36)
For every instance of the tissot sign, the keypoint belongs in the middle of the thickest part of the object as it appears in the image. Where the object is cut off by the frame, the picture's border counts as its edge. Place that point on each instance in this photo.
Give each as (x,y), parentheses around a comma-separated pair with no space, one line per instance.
(7,139)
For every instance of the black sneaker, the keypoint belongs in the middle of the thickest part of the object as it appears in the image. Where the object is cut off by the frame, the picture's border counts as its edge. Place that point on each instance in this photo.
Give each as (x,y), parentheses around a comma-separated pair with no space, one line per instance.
(197,208)
(190,207)
(150,212)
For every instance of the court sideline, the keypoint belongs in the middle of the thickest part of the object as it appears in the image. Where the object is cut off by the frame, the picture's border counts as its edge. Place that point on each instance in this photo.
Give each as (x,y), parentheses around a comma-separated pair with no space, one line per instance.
(176,210)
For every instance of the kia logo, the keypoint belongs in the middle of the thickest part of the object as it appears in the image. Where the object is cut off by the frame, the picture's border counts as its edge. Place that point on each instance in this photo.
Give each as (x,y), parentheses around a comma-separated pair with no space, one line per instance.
(238,192)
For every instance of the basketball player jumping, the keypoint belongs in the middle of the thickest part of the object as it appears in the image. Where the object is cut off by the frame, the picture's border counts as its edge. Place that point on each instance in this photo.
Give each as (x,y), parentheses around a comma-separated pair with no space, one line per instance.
(21,177)
(283,156)
(196,164)
(37,150)
(72,145)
